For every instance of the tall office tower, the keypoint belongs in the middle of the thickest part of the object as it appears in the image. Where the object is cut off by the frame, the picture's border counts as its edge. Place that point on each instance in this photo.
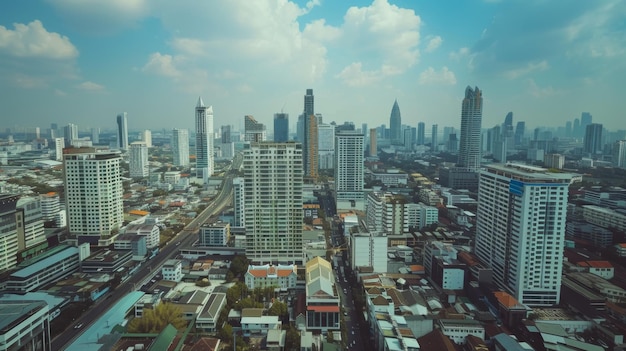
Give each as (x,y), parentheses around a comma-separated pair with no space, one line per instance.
(204,140)
(434,143)
(395,124)
(619,154)
(8,231)
(585,120)
(576,130)
(273,202)
(309,103)
(59,144)
(300,129)
(311,151)
(407,139)
(520,230)
(254,131)
(138,160)
(70,133)
(146,137)
(239,200)
(93,195)
(373,152)
(499,144)
(421,133)
(122,131)
(453,143)
(180,147)
(95,135)
(568,129)
(592,144)
(364,130)
(520,130)
(281,127)
(225,134)
(30,233)
(471,122)
(326,145)
(349,170)
(507,126)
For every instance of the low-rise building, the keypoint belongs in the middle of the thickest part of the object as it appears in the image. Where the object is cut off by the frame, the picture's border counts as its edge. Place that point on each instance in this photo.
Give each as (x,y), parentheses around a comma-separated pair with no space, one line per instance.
(133,242)
(107,261)
(24,325)
(281,276)
(214,234)
(458,329)
(150,230)
(208,317)
(172,270)
(603,269)
(322,301)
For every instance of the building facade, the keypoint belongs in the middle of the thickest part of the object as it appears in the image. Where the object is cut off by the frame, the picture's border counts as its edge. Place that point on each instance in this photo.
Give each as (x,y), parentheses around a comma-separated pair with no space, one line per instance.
(122,131)
(281,127)
(138,160)
(395,124)
(349,170)
(180,147)
(204,140)
(214,234)
(471,122)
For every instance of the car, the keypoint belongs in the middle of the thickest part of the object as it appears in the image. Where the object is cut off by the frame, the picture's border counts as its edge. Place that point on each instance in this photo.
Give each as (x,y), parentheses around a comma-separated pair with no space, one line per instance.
(78,326)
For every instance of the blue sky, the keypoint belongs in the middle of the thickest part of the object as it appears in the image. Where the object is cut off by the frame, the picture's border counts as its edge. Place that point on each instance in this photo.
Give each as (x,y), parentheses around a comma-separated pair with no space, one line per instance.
(83,61)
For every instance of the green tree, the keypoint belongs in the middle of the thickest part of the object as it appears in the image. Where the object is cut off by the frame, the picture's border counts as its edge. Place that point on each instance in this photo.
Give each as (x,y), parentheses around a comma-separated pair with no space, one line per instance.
(278,309)
(226,333)
(330,337)
(154,320)
(292,339)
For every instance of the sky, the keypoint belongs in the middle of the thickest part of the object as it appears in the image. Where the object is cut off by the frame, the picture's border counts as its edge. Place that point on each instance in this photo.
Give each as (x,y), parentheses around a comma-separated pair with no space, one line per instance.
(84,61)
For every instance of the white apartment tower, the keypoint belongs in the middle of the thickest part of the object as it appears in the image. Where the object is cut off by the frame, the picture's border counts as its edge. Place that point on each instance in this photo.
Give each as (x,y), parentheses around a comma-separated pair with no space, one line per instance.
(204,140)
(138,160)
(239,200)
(122,131)
(180,147)
(273,202)
(93,194)
(326,145)
(520,230)
(59,144)
(146,137)
(349,170)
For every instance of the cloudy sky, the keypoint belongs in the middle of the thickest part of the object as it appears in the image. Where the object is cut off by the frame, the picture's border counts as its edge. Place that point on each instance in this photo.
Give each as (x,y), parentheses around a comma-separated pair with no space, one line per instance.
(83,61)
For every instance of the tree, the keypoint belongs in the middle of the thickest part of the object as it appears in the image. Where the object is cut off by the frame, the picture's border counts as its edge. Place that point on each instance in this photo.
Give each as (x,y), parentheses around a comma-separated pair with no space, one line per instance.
(278,309)
(330,337)
(226,333)
(154,320)
(292,339)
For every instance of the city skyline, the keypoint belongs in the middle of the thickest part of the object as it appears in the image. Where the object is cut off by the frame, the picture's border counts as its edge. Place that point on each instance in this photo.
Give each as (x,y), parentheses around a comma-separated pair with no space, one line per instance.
(542,62)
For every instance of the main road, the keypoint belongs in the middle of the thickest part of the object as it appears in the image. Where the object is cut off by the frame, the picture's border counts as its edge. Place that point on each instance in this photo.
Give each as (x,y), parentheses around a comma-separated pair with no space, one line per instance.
(185,237)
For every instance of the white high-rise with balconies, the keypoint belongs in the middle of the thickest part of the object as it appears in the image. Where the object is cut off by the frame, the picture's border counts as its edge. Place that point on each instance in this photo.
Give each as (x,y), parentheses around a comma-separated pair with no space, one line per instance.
(239,200)
(138,160)
(180,147)
(471,122)
(204,140)
(520,230)
(349,170)
(93,195)
(273,177)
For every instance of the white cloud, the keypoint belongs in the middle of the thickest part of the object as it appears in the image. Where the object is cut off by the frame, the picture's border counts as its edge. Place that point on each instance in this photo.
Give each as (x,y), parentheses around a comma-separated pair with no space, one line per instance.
(433,44)
(29,82)
(59,92)
(33,40)
(162,65)
(459,54)
(353,75)
(90,86)
(540,92)
(101,16)
(528,68)
(443,77)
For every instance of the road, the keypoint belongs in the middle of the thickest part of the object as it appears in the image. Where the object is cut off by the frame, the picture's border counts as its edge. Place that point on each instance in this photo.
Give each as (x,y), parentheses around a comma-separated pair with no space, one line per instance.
(186,237)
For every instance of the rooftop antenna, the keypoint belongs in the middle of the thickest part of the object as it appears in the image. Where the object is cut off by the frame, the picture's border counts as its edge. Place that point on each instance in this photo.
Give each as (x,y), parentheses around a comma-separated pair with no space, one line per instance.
(282,108)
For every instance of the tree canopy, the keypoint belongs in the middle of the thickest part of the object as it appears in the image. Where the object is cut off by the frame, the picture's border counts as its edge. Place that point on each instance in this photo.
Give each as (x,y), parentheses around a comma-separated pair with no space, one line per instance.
(154,320)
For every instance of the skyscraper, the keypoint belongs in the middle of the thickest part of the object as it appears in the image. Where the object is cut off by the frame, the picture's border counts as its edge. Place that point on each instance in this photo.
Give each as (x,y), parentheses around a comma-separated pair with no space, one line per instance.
(592,144)
(239,202)
(281,127)
(180,147)
(95,135)
(421,133)
(309,136)
(520,230)
(349,170)
(471,122)
(273,202)
(93,195)
(122,131)
(138,159)
(619,154)
(434,144)
(373,147)
(585,120)
(8,231)
(204,140)
(146,137)
(309,103)
(520,130)
(254,130)
(70,133)
(326,144)
(395,125)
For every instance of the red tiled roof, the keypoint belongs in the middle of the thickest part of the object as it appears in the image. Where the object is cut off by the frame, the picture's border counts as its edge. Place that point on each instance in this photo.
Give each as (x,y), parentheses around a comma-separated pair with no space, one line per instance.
(599,264)
(505,299)
(332,308)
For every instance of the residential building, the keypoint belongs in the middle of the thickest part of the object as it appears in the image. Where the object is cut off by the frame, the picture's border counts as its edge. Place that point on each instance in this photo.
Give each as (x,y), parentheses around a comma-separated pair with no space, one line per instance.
(146,137)
(204,140)
(619,154)
(592,144)
(138,160)
(172,270)
(458,329)
(308,136)
(150,230)
(281,127)
(556,161)
(273,202)
(239,200)
(93,194)
(395,124)
(520,230)
(322,301)
(254,131)
(368,249)
(59,144)
(180,147)
(421,133)
(208,318)
(50,205)
(349,170)
(434,144)
(25,325)
(122,131)
(265,276)
(589,233)
(326,145)
(133,242)
(605,217)
(30,231)
(373,151)
(70,134)
(214,234)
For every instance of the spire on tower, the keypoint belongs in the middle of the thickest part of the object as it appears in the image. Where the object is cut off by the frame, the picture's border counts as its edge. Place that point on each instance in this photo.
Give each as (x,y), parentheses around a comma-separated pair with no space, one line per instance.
(200,102)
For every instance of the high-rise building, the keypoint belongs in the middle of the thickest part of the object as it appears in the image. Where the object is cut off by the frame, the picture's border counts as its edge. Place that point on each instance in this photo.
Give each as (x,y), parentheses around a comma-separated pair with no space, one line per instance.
(146,137)
(373,147)
(70,133)
(122,131)
(395,124)
(225,134)
(592,144)
(434,143)
(239,201)
(326,144)
(180,147)
(204,140)
(520,130)
(273,202)
(576,130)
(8,231)
(93,195)
(281,127)
(309,103)
(471,122)
(138,160)
(50,205)
(30,232)
(585,120)
(349,170)
(520,230)
(95,135)
(59,144)
(254,131)
(309,136)
(619,154)
(421,133)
